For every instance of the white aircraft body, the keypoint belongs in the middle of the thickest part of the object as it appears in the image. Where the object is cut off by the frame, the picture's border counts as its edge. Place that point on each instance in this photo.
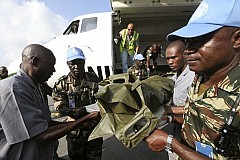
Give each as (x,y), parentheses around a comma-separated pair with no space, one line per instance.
(95,33)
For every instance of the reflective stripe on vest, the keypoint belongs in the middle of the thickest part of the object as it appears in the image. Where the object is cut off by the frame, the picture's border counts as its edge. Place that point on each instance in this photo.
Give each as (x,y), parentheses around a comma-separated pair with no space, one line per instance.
(131,46)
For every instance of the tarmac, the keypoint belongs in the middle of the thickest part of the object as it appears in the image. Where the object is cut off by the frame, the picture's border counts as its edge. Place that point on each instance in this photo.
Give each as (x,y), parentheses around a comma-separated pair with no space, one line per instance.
(112,148)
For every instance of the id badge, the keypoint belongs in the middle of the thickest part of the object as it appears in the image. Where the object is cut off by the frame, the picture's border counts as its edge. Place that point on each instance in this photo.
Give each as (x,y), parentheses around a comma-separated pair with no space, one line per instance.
(204,149)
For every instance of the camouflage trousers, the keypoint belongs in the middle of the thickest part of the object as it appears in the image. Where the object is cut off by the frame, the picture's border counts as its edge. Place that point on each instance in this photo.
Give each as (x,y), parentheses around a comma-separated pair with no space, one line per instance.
(81,149)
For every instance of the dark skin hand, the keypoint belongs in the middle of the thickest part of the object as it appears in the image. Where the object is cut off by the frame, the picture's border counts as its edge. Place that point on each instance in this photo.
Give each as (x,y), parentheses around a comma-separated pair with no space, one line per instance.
(57,130)
(72,112)
(158,140)
(177,113)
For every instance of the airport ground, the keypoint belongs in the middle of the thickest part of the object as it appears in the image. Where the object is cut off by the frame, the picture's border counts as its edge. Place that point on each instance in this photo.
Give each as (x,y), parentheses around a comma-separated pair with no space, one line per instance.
(114,149)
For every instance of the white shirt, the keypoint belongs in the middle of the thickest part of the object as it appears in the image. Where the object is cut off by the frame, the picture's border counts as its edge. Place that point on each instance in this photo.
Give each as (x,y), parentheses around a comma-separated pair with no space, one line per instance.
(182,83)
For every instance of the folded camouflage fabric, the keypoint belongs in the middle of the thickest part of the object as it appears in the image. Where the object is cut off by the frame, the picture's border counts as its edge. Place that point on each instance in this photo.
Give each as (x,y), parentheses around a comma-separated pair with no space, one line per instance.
(130,108)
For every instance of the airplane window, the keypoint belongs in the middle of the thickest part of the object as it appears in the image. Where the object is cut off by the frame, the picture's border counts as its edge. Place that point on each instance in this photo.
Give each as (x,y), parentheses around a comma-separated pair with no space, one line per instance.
(73,28)
(89,24)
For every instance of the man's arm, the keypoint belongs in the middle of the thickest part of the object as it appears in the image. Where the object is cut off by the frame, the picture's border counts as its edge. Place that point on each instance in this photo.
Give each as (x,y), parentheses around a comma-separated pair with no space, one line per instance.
(148,61)
(158,140)
(176,112)
(137,45)
(60,129)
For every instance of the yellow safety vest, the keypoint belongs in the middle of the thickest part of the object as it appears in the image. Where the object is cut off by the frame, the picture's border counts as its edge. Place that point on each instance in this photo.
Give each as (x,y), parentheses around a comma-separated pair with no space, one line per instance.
(131,46)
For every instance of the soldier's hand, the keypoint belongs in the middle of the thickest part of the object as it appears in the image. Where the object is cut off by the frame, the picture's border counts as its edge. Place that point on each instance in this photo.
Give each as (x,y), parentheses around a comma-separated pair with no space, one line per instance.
(94,115)
(78,112)
(157,140)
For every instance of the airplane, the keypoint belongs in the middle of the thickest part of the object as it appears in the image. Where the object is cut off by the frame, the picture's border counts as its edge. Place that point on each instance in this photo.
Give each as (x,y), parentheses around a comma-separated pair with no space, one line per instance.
(94,34)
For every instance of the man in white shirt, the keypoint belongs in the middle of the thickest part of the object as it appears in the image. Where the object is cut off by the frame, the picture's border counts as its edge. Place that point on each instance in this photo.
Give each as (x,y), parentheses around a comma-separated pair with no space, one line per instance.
(183,79)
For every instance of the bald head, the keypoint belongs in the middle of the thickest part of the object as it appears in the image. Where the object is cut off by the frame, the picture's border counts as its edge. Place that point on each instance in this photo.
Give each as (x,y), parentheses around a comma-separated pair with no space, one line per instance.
(38,62)
(131,25)
(35,50)
(130,28)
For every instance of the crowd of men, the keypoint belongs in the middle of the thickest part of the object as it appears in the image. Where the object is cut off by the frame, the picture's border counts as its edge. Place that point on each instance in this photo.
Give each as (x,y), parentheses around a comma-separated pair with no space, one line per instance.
(205,54)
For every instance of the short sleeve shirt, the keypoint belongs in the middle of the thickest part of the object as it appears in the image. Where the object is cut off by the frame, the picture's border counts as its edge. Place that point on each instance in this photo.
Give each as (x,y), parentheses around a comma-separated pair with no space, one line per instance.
(23,116)
(181,86)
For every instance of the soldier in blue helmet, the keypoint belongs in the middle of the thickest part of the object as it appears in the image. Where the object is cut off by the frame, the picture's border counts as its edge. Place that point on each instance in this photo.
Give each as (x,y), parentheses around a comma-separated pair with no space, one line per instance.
(71,93)
(211,121)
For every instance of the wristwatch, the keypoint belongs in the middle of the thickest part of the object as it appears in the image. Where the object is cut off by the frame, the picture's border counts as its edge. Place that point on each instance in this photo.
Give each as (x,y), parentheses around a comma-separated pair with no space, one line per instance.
(168,146)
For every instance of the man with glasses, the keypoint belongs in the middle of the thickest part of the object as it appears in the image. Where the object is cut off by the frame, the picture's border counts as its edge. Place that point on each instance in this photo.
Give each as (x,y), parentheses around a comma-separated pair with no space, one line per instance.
(211,121)
(129,45)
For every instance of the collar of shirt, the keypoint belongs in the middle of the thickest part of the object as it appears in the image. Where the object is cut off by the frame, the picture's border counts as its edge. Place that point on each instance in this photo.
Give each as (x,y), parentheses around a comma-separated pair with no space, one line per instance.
(231,83)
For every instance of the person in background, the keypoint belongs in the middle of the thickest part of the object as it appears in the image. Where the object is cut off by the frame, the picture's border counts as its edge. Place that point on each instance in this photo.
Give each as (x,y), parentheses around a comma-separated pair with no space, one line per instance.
(71,93)
(26,128)
(139,68)
(211,122)
(151,53)
(74,27)
(129,45)
(183,79)
(3,72)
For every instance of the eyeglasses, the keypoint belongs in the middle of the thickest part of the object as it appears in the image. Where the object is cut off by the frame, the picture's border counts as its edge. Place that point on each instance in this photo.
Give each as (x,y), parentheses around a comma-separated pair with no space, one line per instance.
(130,29)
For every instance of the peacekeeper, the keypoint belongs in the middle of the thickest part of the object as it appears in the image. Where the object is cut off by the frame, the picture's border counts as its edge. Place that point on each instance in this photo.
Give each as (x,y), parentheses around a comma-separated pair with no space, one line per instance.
(211,122)
(71,93)
(139,68)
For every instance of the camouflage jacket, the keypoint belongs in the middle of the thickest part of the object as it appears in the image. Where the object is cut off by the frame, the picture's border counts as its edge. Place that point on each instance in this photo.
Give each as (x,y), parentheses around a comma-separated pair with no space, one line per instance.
(140,73)
(82,94)
(205,114)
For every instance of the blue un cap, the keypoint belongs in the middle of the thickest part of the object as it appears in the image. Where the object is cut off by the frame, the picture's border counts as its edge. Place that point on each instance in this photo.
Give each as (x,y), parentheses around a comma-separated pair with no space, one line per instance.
(208,17)
(139,57)
(75,53)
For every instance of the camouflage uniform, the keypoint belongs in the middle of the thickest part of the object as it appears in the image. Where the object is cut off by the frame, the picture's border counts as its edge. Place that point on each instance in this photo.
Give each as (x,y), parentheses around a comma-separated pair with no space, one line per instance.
(140,73)
(205,114)
(83,94)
